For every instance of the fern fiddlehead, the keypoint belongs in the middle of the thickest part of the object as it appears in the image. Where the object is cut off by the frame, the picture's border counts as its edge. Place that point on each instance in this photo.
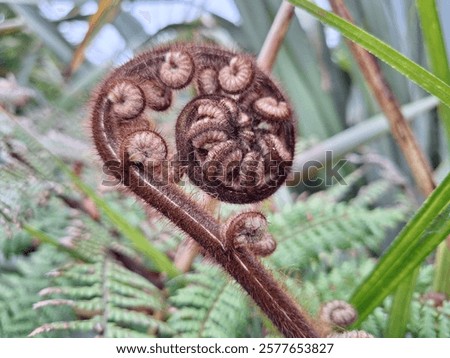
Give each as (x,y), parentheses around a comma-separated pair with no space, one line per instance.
(235,140)
(338,313)
(249,229)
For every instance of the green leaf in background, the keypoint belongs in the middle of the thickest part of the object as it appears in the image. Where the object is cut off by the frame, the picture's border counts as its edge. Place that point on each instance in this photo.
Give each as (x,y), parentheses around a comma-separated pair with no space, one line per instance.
(160,260)
(437,56)
(106,12)
(44,238)
(46,30)
(399,315)
(423,233)
(140,242)
(434,38)
(380,49)
(350,139)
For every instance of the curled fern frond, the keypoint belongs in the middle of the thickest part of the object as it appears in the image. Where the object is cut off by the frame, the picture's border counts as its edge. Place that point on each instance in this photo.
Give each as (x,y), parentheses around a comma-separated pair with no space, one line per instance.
(338,313)
(351,334)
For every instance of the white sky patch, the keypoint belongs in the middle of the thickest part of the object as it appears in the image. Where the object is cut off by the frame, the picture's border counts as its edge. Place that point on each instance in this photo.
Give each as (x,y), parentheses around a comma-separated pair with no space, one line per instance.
(155,15)
(73,31)
(225,9)
(108,44)
(308,22)
(88,8)
(55,9)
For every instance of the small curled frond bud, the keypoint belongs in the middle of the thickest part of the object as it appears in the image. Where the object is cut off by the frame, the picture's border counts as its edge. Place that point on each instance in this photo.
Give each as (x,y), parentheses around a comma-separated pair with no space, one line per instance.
(437,299)
(177,69)
(249,229)
(351,334)
(338,313)
(146,147)
(159,97)
(272,146)
(271,108)
(226,152)
(236,77)
(127,99)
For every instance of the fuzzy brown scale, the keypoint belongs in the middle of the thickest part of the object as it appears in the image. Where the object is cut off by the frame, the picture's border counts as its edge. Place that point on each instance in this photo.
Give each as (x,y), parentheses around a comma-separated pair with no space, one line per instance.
(219,126)
(338,313)
(351,334)
(249,229)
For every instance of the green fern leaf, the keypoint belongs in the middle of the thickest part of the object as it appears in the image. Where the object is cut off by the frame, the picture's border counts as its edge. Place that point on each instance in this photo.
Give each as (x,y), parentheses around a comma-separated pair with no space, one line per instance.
(118,302)
(19,290)
(324,227)
(211,305)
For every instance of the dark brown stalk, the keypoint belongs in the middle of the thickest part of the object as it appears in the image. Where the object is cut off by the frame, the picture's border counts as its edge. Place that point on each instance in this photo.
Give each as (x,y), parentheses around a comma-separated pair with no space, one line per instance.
(403,135)
(228,140)
(240,264)
(188,250)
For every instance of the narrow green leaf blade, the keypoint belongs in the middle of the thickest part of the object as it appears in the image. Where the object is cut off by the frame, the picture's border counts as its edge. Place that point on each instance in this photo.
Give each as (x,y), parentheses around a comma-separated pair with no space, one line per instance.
(380,49)
(437,56)
(429,226)
(401,307)
(434,39)
(46,239)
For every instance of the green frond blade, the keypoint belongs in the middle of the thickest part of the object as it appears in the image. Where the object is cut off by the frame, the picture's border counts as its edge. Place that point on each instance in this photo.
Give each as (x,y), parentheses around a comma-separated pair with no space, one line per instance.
(382,50)
(420,236)
(118,302)
(211,305)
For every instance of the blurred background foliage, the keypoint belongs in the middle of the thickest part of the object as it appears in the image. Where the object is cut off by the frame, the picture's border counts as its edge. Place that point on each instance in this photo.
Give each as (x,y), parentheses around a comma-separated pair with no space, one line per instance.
(54,53)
